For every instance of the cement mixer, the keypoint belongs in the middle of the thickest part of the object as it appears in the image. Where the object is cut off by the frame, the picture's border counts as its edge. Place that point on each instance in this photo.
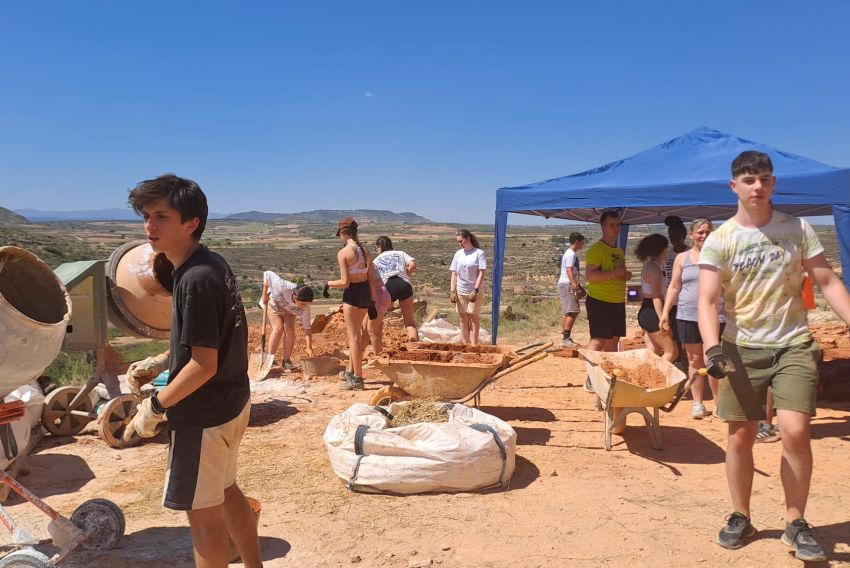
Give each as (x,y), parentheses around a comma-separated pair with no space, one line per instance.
(35,313)
(132,290)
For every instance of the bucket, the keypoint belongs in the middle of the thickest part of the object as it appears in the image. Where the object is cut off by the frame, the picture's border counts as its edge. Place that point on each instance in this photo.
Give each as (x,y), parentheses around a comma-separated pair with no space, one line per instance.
(256,507)
(320,366)
(34,313)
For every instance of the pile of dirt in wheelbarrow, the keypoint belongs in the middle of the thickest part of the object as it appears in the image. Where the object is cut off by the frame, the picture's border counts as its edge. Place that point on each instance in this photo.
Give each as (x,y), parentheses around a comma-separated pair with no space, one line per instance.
(458,357)
(643,375)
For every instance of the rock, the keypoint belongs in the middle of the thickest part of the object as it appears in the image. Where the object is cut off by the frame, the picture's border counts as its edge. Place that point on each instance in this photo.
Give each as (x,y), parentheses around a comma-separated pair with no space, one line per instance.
(419,563)
(446,548)
(355,559)
(553,474)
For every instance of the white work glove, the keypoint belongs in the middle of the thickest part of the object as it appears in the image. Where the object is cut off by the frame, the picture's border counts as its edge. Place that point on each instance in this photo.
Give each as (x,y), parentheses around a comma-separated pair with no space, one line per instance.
(142,372)
(144,422)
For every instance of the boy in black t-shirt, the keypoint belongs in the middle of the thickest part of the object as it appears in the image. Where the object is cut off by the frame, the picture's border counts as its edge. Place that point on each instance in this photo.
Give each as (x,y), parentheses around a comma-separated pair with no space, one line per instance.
(207,398)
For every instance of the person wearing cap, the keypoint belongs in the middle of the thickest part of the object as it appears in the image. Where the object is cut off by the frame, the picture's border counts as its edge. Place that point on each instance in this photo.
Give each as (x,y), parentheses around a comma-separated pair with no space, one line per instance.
(358,298)
(286,301)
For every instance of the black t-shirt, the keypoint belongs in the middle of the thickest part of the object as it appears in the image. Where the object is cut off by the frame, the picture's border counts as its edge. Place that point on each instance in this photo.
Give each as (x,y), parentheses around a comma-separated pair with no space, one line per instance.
(208,312)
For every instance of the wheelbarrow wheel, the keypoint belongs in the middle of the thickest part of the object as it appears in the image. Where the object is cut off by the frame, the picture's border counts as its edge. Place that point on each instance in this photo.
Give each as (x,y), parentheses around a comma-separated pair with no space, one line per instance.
(26,558)
(382,397)
(114,417)
(56,416)
(106,518)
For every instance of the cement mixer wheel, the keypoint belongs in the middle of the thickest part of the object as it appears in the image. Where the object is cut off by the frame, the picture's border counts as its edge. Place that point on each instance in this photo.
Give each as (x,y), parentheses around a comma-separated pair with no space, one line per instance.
(56,417)
(107,519)
(26,558)
(114,417)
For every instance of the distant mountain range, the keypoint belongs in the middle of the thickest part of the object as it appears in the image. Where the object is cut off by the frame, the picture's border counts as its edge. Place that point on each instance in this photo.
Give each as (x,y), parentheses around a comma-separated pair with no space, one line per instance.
(317,216)
(332,216)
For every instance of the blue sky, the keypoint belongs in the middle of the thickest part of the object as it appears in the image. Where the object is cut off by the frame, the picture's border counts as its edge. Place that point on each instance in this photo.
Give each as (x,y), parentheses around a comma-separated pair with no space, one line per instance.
(426,107)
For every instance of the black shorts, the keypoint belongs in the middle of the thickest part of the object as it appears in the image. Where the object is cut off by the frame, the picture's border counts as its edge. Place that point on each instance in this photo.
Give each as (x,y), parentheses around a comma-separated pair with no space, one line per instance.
(399,288)
(607,319)
(358,294)
(689,331)
(648,317)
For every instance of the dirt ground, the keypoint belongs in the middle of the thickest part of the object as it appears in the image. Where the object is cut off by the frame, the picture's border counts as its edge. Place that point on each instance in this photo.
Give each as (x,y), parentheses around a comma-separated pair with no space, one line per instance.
(570,503)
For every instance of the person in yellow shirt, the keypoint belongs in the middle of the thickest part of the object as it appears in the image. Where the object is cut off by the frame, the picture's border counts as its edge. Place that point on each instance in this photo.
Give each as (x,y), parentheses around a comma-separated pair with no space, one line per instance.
(605,270)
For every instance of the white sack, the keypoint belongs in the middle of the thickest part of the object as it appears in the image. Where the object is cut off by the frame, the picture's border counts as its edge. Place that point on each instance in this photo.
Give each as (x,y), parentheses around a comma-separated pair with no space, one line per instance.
(446,457)
(440,331)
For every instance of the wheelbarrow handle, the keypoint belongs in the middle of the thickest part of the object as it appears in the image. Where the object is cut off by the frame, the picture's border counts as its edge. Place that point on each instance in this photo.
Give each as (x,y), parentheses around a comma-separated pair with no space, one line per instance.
(540,347)
(530,345)
(684,386)
(512,368)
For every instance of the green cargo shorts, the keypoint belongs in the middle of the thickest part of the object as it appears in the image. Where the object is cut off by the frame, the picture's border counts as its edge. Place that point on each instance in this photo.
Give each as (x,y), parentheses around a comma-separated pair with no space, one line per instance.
(790,372)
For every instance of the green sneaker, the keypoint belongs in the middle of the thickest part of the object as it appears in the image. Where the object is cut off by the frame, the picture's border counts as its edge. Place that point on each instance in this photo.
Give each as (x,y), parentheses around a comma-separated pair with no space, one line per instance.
(737,529)
(798,535)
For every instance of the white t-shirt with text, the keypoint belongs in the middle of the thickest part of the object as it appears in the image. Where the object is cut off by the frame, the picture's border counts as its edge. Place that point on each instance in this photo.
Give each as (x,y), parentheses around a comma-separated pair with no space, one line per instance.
(467,264)
(761,272)
(392,263)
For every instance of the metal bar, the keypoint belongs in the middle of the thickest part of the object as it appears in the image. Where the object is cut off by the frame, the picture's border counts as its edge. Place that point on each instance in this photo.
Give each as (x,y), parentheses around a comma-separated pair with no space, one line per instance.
(10,482)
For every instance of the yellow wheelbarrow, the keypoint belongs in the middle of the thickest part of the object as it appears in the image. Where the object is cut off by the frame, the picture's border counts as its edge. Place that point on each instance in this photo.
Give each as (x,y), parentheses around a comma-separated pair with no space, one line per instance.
(609,374)
(449,375)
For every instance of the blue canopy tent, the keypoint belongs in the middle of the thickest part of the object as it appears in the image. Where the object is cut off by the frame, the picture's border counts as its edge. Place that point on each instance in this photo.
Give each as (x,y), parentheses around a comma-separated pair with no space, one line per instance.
(687,176)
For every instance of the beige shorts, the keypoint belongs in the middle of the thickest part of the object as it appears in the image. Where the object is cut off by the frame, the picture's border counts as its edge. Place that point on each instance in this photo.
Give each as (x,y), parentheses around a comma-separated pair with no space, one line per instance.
(202,463)
(464,306)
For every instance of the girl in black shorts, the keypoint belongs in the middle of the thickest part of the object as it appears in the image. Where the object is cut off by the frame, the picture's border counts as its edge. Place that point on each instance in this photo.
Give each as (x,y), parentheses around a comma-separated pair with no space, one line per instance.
(652,251)
(358,299)
(395,267)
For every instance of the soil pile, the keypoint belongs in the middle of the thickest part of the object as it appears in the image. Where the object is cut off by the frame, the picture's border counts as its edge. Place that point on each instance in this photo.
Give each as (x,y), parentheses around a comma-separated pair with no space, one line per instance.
(643,375)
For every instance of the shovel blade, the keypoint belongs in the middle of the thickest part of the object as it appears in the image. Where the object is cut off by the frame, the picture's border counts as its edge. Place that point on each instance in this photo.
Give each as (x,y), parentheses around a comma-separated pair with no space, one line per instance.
(319,323)
(259,365)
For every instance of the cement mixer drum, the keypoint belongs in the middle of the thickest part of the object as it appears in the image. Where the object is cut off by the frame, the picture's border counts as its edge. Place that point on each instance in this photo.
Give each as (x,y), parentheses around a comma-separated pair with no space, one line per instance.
(139,282)
(34,313)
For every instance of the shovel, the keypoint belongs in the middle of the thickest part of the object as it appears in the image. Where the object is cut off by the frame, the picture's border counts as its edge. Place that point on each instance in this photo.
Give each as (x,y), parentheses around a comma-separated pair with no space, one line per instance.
(260,363)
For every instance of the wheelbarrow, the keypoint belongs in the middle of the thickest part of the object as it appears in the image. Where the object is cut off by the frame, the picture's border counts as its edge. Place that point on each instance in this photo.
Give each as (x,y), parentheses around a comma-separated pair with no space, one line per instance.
(448,375)
(617,397)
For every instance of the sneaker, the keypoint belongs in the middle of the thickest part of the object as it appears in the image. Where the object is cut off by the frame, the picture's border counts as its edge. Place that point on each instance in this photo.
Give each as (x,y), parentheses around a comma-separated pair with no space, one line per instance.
(568,342)
(588,385)
(798,535)
(738,528)
(288,366)
(698,411)
(346,375)
(355,383)
(767,433)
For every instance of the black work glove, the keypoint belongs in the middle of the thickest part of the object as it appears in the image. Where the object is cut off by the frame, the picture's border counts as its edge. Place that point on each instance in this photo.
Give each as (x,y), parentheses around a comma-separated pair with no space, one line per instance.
(373,311)
(326,290)
(719,364)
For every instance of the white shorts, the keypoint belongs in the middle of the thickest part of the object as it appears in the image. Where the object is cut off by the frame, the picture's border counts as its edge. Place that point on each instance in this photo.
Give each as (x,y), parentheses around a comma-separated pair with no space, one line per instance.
(569,303)
(464,306)
(202,463)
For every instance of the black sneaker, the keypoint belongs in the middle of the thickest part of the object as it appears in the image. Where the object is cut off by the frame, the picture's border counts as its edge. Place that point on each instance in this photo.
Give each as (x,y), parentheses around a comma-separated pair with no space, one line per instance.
(738,528)
(798,535)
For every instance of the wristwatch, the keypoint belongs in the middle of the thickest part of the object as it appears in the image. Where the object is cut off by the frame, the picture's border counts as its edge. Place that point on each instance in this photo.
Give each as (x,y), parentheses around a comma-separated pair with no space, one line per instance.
(156,406)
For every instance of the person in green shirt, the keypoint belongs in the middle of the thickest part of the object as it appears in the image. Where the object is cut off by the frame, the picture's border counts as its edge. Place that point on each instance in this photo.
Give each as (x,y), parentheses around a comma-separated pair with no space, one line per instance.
(606,275)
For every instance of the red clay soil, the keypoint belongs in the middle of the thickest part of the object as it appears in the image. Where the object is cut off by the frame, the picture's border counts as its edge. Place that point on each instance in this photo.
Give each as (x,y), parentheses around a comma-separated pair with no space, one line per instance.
(643,375)
(447,357)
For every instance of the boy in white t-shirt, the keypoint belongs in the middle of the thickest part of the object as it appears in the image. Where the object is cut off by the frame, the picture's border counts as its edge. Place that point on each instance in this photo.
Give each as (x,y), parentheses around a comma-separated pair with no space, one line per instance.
(570,290)
(756,258)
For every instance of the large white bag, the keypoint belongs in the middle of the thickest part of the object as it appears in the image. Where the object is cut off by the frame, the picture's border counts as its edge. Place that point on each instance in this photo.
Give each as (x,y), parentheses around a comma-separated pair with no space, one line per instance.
(440,331)
(473,450)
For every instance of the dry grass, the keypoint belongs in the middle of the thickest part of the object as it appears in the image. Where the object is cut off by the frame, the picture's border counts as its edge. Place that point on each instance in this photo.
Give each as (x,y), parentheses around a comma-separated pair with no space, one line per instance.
(420,410)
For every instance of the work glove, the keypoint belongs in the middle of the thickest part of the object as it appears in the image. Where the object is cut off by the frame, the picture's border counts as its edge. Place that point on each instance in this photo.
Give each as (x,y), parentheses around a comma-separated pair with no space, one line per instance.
(373,311)
(326,290)
(142,372)
(453,297)
(473,296)
(145,421)
(719,364)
